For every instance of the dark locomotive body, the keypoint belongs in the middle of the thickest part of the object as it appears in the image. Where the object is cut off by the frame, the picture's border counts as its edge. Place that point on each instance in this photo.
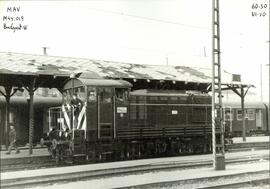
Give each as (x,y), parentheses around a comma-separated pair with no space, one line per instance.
(108,120)
(166,122)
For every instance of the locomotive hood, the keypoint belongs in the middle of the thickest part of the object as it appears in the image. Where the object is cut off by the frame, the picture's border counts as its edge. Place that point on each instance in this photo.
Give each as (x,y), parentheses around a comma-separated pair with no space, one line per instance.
(78,82)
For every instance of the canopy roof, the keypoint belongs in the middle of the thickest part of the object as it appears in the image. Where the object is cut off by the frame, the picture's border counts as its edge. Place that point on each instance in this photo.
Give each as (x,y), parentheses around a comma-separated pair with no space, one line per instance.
(255,105)
(53,70)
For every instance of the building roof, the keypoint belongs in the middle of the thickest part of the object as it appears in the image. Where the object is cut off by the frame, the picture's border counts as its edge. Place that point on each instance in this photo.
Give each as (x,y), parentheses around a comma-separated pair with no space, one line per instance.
(256,105)
(29,64)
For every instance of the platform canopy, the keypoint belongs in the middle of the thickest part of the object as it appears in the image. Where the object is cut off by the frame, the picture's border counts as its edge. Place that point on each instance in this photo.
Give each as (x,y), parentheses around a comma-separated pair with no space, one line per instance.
(30,71)
(52,70)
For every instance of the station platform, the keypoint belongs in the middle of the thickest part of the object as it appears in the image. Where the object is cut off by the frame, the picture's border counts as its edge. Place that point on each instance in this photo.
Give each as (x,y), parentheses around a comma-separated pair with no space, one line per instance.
(38,155)
(24,153)
(252,139)
(123,181)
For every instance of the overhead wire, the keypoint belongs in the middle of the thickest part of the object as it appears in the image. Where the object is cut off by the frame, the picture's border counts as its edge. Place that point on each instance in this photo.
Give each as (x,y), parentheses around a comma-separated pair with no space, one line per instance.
(149,18)
(154,19)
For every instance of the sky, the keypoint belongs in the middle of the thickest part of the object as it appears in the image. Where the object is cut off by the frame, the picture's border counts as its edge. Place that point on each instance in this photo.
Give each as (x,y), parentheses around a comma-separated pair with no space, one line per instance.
(160,32)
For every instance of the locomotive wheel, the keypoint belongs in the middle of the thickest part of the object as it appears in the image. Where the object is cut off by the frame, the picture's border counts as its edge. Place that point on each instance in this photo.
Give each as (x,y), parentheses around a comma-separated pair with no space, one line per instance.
(68,154)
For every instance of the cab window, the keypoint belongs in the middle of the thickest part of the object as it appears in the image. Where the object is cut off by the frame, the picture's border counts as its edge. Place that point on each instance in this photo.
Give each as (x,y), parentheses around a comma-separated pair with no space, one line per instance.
(92,94)
(66,97)
(121,94)
(105,95)
(80,92)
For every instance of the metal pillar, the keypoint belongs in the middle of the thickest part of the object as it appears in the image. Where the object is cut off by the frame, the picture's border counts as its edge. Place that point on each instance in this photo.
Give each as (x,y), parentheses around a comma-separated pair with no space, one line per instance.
(269,68)
(7,121)
(31,119)
(7,112)
(31,89)
(217,115)
(7,95)
(242,96)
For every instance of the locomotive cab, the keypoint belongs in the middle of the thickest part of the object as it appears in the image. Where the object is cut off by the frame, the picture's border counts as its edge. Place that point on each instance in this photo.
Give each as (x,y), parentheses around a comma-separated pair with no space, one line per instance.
(90,107)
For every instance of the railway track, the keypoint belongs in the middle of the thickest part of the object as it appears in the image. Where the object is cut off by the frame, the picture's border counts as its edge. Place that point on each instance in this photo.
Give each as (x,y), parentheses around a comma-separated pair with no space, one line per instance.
(242,180)
(248,146)
(260,182)
(109,172)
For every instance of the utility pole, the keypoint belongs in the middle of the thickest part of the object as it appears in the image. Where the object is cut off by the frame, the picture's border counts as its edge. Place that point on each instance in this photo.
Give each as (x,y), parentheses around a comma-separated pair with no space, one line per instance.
(269,65)
(217,115)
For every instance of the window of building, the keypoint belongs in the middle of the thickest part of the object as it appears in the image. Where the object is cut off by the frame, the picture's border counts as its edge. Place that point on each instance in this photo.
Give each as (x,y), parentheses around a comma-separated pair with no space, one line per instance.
(250,114)
(12,117)
(228,115)
(259,119)
(239,115)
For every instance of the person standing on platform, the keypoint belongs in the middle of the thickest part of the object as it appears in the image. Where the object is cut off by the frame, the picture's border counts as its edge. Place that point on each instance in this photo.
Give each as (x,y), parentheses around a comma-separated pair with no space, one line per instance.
(12,140)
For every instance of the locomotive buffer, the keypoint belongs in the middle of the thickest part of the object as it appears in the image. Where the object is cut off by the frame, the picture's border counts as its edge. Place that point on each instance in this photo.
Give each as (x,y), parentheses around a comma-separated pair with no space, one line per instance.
(217,116)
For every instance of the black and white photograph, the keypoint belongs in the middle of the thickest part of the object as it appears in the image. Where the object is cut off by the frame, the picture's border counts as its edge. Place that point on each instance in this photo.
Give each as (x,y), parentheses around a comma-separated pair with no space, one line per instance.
(136,94)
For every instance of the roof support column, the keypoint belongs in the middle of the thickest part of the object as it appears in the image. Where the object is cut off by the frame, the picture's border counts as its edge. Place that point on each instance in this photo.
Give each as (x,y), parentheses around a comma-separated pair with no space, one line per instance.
(31,119)
(7,95)
(31,89)
(242,95)
(7,112)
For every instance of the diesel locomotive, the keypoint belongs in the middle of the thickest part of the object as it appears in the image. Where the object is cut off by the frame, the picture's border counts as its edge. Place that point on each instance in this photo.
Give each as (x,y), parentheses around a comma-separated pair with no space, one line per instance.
(104,119)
